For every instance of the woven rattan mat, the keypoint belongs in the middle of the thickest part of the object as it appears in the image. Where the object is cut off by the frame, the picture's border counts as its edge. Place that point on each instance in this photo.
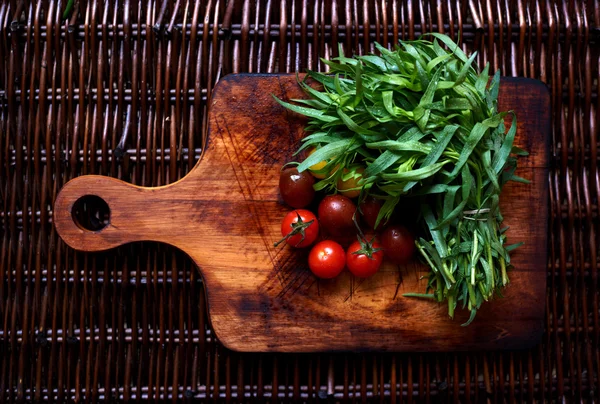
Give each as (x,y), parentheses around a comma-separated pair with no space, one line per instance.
(120,88)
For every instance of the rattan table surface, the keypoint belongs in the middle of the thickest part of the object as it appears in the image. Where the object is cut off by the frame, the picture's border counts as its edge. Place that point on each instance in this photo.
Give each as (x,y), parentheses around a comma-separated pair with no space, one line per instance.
(121,89)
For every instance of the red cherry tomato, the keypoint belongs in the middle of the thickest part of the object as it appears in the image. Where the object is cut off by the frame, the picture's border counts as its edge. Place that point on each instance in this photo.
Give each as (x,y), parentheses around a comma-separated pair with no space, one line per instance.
(299,228)
(370,208)
(327,259)
(335,215)
(364,259)
(398,243)
(296,188)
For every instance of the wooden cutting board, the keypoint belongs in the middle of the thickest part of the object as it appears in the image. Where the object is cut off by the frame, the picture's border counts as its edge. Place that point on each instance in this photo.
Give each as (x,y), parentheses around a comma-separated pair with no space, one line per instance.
(225,214)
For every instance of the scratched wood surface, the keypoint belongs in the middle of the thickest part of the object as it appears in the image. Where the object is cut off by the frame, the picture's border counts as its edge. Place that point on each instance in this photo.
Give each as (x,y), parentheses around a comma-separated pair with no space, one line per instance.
(226,215)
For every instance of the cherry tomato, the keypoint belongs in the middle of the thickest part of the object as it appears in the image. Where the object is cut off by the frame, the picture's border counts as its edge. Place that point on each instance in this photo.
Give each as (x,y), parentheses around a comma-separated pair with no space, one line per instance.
(327,259)
(296,188)
(335,215)
(347,187)
(299,228)
(364,258)
(398,243)
(315,169)
(370,208)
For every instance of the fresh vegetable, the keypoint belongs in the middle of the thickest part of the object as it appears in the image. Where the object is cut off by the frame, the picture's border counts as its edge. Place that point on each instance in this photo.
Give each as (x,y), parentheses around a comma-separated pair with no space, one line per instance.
(336,213)
(348,181)
(363,258)
(299,228)
(369,209)
(296,188)
(327,259)
(68,9)
(321,169)
(398,243)
(423,121)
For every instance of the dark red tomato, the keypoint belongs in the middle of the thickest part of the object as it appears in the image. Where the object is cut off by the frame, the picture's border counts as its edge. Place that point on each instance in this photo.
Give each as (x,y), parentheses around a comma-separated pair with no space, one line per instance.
(398,243)
(327,259)
(364,259)
(296,188)
(335,215)
(299,228)
(370,208)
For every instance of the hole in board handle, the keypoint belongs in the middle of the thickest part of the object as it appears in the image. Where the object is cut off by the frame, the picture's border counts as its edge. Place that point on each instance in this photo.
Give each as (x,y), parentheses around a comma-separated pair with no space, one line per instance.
(90,212)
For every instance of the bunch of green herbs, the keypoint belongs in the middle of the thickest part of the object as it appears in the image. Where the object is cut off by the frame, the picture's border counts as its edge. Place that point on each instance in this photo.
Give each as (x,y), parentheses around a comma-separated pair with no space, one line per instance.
(422,122)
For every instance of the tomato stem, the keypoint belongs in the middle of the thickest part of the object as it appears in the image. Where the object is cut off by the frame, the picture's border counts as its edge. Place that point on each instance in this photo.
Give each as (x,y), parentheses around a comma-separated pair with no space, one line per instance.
(366,247)
(298,227)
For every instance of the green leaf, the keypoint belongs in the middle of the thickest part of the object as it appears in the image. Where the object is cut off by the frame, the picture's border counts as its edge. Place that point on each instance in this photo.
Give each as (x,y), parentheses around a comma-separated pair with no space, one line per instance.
(440,243)
(452,46)
(416,175)
(513,246)
(449,199)
(421,295)
(475,136)
(482,79)
(492,94)
(387,209)
(385,160)
(500,157)
(438,60)
(487,166)
(467,185)
(518,151)
(338,67)
(394,145)
(325,153)
(427,99)
(323,97)
(471,318)
(358,86)
(431,189)
(436,151)
(388,101)
(457,104)
(353,126)
(465,69)
(412,134)
(325,80)
(310,112)
(433,258)
(422,75)
(522,180)
(375,61)
(311,103)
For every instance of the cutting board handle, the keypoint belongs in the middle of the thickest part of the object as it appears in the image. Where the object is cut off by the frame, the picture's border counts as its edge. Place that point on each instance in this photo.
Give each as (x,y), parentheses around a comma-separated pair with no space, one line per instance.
(96,213)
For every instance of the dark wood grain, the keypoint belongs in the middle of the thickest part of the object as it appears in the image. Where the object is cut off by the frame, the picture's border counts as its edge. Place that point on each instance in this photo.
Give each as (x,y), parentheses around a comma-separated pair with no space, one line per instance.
(225,214)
